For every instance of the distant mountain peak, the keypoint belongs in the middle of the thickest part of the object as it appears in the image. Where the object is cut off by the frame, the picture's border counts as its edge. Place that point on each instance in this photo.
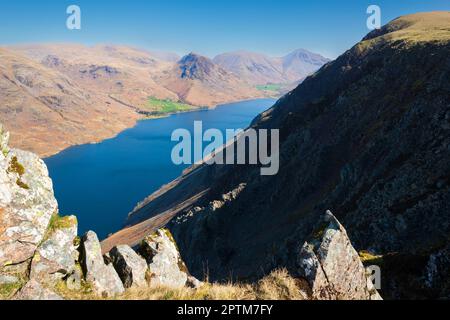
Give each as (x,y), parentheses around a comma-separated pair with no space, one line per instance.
(195,66)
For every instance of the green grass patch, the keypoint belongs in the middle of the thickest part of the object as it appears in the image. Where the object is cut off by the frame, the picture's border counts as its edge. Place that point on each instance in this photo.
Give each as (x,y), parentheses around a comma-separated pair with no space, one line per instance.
(57,223)
(275,87)
(167,106)
(7,290)
(16,167)
(369,259)
(22,184)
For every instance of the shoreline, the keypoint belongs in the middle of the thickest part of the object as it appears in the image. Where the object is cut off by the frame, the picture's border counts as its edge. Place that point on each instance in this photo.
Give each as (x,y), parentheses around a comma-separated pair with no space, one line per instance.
(149,118)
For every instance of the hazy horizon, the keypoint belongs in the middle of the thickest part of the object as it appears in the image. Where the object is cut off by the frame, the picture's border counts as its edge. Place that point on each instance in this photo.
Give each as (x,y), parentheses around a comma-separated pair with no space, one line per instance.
(150,50)
(274,28)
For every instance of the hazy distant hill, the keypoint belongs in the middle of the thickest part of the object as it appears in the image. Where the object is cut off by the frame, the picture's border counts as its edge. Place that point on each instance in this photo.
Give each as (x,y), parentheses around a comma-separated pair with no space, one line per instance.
(301,63)
(165,56)
(254,67)
(259,69)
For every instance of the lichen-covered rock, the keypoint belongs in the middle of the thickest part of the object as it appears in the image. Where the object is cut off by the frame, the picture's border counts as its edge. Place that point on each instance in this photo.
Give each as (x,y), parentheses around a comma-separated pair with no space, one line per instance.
(332,266)
(55,257)
(27,203)
(35,291)
(166,268)
(104,278)
(130,266)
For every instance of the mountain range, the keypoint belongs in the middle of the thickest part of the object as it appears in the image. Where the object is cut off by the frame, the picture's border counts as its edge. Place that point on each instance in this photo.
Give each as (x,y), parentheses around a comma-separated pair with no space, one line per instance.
(261,69)
(58,95)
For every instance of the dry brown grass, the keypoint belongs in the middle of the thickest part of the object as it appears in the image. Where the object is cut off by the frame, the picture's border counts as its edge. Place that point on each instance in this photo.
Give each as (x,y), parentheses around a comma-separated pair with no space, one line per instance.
(279,285)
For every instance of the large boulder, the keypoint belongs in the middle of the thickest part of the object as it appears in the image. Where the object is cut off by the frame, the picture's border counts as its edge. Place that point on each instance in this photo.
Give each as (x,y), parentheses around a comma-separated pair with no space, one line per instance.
(103,278)
(27,203)
(55,258)
(332,266)
(33,290)
(129,265)
(166,268)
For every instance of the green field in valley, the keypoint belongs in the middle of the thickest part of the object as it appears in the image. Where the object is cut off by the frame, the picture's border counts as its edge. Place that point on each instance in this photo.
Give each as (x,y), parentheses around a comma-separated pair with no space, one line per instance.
(270,87)
(167,106)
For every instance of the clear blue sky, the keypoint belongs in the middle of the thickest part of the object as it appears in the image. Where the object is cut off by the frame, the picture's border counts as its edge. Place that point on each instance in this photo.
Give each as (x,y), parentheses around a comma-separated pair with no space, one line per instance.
(207,27)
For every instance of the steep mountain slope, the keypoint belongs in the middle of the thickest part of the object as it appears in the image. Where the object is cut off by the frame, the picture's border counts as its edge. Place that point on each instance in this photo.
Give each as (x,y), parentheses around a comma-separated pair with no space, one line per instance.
(198,80)
(368,136)
(259,69)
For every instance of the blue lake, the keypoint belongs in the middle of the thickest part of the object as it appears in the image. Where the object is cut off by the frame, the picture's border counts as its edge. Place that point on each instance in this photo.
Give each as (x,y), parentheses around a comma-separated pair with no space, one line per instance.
(101,183)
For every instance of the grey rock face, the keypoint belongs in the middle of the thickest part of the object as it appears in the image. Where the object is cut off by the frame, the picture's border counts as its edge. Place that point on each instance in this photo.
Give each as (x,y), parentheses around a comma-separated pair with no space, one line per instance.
(27,203)
(166,267)
(104,278)
(130,266)
(332,266)
(34,291)
(55,258)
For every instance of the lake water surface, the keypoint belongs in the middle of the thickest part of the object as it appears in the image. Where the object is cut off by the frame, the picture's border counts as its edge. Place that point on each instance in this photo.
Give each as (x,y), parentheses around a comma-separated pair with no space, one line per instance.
(101,183)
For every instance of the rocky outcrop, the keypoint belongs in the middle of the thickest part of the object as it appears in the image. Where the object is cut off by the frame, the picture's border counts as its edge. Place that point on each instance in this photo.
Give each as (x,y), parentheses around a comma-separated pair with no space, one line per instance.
(102,277)
(27,203)
(332,266)
(41,256)
(166,268)
(132,268)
